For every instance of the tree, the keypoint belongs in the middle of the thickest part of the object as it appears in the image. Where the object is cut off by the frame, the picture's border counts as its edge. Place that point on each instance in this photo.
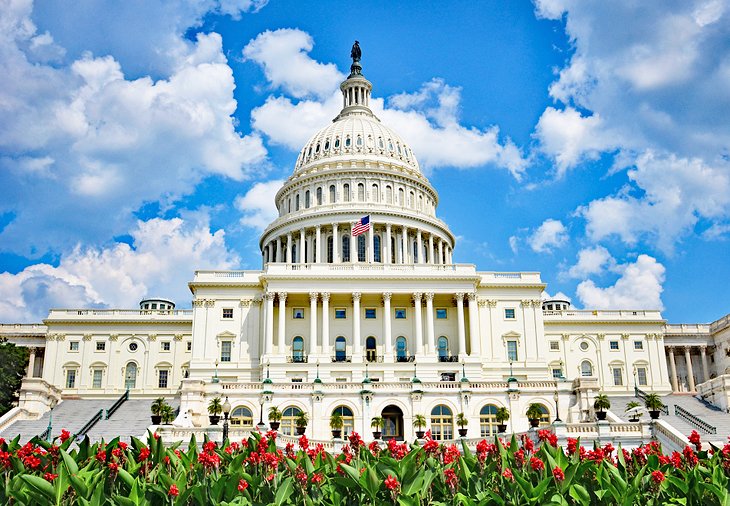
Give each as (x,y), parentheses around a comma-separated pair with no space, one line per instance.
(13,365)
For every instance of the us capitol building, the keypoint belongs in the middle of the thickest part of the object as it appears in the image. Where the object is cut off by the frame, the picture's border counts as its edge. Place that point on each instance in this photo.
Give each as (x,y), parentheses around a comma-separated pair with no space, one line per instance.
(377,324)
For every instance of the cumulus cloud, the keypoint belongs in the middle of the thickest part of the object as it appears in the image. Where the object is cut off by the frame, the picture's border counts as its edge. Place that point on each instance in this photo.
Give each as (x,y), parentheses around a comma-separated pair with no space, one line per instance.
(550,234)
(592,261)
(257,205)
(638,287)
(159,262)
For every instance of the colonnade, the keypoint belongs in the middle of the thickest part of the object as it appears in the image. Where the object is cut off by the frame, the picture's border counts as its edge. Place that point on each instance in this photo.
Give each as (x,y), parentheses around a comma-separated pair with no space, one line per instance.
(687,351)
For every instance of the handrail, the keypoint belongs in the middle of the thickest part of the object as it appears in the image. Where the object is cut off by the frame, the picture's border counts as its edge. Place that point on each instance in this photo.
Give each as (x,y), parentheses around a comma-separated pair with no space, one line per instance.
(642,395)
(94,419)
(117,404)
(695,421)
(45,434)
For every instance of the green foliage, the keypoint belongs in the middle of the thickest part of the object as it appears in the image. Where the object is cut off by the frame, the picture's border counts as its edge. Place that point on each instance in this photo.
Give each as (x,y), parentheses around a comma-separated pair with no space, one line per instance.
(336,422)
(461,420)
(502,414)
(653,402)
(602,403)
(13,365)
(376,423)
(167,413)
(534,411)
(419,422)
(274,414)
(302,419)
(158,406)
(215,406)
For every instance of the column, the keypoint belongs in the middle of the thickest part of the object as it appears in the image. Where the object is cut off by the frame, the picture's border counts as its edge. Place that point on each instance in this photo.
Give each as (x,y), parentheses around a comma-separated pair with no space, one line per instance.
(282,322)
(318,244)
(690,373)
(31,364)
(387,337)
(269,326)
(325,323)
(460,322)
(474,337)
(288,248)
(386,249)
(356,346)
(430,340)
(673,366)
(441,251)
(278,249)
(353,247)
(335,244)
(419,247)
(705,369)
(313,296)
(302,247)
(419,322)
(371,244)
(431,260)
(404,244)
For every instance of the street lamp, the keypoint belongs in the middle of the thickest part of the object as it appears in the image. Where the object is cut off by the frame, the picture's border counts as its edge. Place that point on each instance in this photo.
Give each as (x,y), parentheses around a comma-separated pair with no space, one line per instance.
(215,377)
(261,425)
(557,406)
(226,412)
(50,420)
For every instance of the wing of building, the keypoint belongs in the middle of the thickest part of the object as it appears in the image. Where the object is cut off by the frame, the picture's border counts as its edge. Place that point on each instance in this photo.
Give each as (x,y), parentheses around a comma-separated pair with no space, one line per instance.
(376,323)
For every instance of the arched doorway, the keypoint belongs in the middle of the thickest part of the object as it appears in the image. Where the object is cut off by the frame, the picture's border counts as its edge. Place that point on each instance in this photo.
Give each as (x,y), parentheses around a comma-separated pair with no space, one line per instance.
(392,423)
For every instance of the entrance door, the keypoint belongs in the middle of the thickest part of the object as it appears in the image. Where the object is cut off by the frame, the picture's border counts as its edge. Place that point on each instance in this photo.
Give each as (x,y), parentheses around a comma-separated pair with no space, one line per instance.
(392,423)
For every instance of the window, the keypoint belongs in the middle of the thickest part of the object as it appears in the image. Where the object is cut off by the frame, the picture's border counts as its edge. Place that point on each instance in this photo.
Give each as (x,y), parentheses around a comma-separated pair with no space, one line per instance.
(348,420)
(488,420)
(641,376)
(306,199)
(319,196)
(166,345)
(512,351)
(371,351)
(441,313)
(100,346)
(376,249)
(557,372)
(509,314)
(162,378)
(96,380)
(554,345)
(340,313)
(370,313)
(227,313)
(347,142)
(586,369)
(296,200)
(133,346)
(297,349)
(288,420)
(448,376)
(330,250)
(544,416)
(346,192)
(241,417)
(189,346)
(340,349)
(442,423)
(375,193)
(401,197)
(401,349)
(618,379)
(298,313)
(333,194)
(389,194)
(613,345)
(73,346)
(154,305)
(130,376)
(360,192)
(345,248)
(584,345)
(443,348)
(226,351)
(71,378)
(638,345)
(400,313)
(415,252)
(361,248)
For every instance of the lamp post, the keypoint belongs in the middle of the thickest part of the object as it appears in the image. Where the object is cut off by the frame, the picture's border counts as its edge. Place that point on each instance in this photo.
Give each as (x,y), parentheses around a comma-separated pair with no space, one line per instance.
(556,398)
(261,425)
(215,377)
(226,412)
(50,420)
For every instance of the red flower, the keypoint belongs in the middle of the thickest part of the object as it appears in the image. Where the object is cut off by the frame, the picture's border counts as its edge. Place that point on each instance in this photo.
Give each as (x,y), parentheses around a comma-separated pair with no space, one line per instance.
(209,446)
(507,473)
(122,445)
(391,483)
(173,492)
(317,478)
(558,474)
(694,438)
(572,445)
(303,442)
(450,478)
(536,464)
(50,476)
(242,485)
(113,467)
(144,453)
(101,456)
(520,457)
(431,446)
(657,476)
(690,456)
(64,435)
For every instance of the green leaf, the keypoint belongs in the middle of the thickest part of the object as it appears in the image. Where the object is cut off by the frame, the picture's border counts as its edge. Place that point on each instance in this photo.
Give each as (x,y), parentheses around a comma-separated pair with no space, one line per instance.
(680,484)
(126,477)
(40,484)
(79,486)
(70,463)
(284,491)
(580,494)
(414,486)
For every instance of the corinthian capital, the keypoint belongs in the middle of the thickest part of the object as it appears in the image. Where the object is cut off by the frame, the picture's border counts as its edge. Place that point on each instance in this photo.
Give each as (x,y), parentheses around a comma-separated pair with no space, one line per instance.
(313,296)
(356,295)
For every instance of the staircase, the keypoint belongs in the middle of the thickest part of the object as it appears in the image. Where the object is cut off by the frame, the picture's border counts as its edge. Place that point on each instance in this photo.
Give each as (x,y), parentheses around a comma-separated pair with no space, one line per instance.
(71,414)
(131,419)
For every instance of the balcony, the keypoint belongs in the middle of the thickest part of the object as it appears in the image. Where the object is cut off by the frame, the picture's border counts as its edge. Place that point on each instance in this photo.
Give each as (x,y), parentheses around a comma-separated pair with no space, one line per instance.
(297,359)
(405,358)
(371,357)
(342,358)
(451,358)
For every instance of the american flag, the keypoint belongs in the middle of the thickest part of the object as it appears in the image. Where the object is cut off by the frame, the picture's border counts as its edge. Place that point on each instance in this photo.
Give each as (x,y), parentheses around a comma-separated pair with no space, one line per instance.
(361,226)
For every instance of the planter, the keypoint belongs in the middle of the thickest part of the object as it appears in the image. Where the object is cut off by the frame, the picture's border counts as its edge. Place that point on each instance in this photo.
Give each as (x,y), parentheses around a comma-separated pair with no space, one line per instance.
(156,419)
(214,419)
(462,432)
(534,422)
(376,435)
(300,431)
(601,415)
(336,433)
(420,434)
(633,420)
(502,428)
(654,414)
(274,425)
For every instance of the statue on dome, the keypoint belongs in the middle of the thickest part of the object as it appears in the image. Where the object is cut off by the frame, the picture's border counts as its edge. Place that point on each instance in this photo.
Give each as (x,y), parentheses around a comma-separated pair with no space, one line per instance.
(355,53)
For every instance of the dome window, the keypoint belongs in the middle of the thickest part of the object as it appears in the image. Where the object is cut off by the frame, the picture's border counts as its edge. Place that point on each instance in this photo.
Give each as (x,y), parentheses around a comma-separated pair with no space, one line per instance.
(337,142)
(359,141)
(399,151)
(317,149)
(348,142)
(380,143)
(390,145)
(370,141)
(309,153)
(327,145)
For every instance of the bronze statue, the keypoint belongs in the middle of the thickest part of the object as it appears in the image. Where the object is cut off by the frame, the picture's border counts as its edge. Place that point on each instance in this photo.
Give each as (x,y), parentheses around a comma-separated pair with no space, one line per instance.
(355,53)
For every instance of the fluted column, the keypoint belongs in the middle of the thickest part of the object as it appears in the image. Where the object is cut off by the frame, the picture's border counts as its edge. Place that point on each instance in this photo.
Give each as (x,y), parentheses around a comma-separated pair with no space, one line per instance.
(690,373)
(474,336)
(318,244)
(288,248)
(353,248)
(302,247)
(386,250)
(387,337)
(356,345)
(281,340)
(325,323)
(313,296)
(430,339)
(278,249)
(419,248)
(269,327)
(370,253)
(441,251)
(705,369)
(31,364)
(404,244)
(335,244)
(460,322)
(419,322)
(430,249)
(673,367)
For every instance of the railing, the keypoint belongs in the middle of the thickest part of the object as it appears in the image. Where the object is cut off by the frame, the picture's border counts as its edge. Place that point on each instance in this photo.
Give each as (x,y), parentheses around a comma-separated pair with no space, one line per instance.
(117,404)
(93,421)
(453,358)
(642,395)
(120,312)
(694,421)
(342,358)
(45,434)
(374,358)
(297,359)
(405,358)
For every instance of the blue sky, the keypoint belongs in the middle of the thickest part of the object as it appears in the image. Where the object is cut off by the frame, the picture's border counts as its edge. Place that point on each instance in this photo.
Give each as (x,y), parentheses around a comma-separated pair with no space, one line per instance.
(587,140)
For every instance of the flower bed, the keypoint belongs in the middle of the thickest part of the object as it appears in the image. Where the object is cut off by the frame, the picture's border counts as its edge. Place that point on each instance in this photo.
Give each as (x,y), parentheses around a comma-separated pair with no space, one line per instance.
(254,471)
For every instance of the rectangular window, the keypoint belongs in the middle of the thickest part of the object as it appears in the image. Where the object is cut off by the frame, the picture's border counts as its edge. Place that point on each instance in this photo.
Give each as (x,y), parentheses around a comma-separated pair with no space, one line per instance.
(96,382)
(189,346)
(71,378)
(638,345)
(557,373)
(226,351)
(441,313)
(400,313)
(509,314)
(296,380)
(370,313)
(340,313)
(73,346)
(641,376)
(554,345)
(448,376)
(100,346)
(166,345)
(154,305)
(613,345)
(162,378)
(618,379)
(228,313)
(512,351)
(298,313)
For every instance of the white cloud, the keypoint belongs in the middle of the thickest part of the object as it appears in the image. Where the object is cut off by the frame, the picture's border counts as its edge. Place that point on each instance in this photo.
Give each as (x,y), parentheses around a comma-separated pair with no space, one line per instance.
(592,261)
(160,261)
(639,287)
(258,205)
(283,55)
(550,234)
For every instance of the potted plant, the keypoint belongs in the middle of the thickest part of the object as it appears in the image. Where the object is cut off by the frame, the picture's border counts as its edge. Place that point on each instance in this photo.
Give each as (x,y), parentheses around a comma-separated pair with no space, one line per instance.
(274,417)
(634,417)
(502,415)
(168,414)
(301,423)
(215,408)
(156,410)
(376,423)
(601,404)
(336,425)
(462,422)
(534,413)
(419,422)
(653,403)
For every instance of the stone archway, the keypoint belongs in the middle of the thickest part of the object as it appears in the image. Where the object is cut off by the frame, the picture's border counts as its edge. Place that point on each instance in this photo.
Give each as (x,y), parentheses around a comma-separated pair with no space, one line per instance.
(392,422)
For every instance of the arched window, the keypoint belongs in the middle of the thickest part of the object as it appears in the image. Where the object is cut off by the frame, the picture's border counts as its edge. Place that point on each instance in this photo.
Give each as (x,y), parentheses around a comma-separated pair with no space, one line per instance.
(130,376)
(288,206)
(319,196)
(443,347)
(346,192)
(347,141)
(392,249)
(375,193)
(294,253)
(241,417)
(415,252)
(401,349)
(411,200)
(401,197)
(345,248)
(425,252)
(360,192)
(488,420)
(327,145)
(586,369)
(306,199)
(297,349)
(348,420)
(420,202)
(361,248)
(376,246)
(545,416)
(337,142)
(442,423)
(333,194)
(371,351)
(389,194)
(296,203)
(359,141)
(330,249)
(340,349)
(289,420)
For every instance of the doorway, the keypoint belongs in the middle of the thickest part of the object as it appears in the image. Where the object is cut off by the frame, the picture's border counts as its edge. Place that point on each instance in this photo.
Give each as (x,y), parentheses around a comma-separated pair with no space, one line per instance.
(392,423)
